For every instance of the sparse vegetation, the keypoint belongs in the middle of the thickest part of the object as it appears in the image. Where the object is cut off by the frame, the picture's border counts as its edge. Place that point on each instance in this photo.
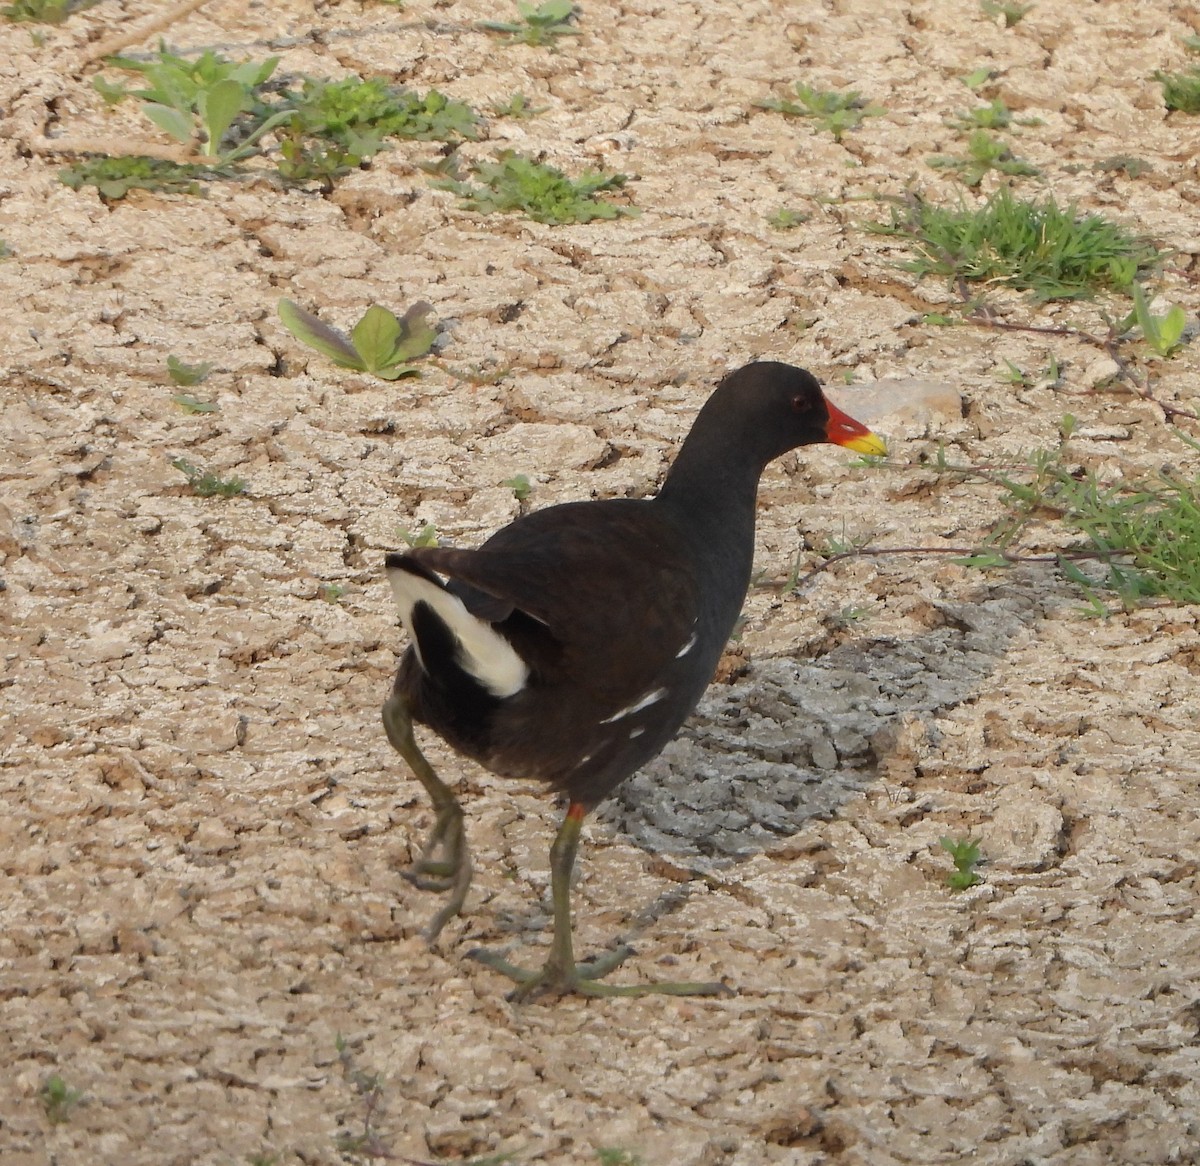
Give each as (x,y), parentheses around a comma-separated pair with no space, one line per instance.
(1054,252)
(381,343)
(1163,334)
(114,178)
(186,376)
(206,483)
(835,112)
(517,106)
(984,154)
(540,24)
(1181,91)
(966,856)
(520,486)
(58,1099)
(1011,12)
(43,11)
(784,219)
(544,193)
(427,536)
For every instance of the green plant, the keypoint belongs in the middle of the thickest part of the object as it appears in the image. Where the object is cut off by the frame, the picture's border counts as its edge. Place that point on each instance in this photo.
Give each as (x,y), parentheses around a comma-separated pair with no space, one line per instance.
(993,116)
(1051,251)
(190,404)
(1012,12)
(1164,334)
(331,592)
(6,252)
(427,536)
(538,24)
(187,375)
(206,483)
(1126,164)
(358,115)
(520,486)
(44,11)
(114,178)
(784,219)
(978,78)
(966,856)
(380,343)
(200,99)
(517,106)
(612,1156)
(1181,91)
(544,193)
(302,160)
(58,1099)
(836,112)
(984,153)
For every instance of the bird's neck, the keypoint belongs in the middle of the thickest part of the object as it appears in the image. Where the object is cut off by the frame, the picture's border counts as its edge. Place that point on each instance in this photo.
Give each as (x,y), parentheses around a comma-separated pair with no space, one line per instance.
(711,495)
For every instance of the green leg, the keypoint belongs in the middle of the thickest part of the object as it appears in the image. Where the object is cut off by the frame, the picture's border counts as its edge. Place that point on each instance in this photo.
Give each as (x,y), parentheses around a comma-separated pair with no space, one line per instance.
(451,872)
(561,974)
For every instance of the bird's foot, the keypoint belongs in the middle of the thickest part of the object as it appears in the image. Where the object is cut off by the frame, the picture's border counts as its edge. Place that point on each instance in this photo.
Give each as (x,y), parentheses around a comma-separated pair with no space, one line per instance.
(450,871)
(585,979)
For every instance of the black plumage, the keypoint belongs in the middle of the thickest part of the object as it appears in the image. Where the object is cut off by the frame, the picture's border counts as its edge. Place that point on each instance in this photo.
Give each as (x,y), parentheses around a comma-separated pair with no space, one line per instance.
(574,642)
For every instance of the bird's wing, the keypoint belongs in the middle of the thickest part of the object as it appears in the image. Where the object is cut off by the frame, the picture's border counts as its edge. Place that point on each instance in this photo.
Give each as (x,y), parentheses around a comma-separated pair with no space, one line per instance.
(599,580)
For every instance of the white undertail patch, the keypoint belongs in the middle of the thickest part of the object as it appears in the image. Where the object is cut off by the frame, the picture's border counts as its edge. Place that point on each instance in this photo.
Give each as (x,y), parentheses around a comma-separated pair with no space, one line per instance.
(486,654)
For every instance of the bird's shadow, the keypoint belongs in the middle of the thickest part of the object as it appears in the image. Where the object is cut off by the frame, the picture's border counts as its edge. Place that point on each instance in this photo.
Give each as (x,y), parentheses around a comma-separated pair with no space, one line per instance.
(795,739)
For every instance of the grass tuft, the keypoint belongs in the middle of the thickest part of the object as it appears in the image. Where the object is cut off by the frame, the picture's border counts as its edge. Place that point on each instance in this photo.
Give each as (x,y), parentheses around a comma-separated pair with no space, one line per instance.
(1052,251)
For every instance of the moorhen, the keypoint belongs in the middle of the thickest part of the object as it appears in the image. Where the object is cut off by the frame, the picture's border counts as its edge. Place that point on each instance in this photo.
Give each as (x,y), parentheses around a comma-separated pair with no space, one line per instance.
(573,643)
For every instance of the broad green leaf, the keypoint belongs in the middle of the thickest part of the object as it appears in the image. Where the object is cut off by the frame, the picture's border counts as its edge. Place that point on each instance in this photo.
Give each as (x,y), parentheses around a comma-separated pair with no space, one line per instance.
(375,337)
(1172,326)
(218,107)
(416,336)
(178,125)
(326,340)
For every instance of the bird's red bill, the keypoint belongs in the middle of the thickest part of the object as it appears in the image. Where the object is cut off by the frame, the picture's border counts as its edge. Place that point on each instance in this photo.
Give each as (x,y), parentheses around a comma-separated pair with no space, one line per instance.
(842,429)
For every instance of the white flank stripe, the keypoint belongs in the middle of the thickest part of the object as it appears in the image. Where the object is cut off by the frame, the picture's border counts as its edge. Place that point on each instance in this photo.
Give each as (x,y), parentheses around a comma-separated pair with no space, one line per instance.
(644,702)
(688,646)
(486,654)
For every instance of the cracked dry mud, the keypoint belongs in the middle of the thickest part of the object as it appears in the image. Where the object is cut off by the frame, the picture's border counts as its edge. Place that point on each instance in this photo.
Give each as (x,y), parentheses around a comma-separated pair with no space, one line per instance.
(204,826)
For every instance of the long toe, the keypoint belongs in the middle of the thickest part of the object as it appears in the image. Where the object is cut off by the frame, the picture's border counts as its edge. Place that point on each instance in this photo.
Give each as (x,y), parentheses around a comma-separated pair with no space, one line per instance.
(586,979)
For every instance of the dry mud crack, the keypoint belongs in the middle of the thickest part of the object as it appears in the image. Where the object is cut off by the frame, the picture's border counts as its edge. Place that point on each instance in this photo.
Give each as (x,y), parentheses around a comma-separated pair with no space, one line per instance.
(204,827)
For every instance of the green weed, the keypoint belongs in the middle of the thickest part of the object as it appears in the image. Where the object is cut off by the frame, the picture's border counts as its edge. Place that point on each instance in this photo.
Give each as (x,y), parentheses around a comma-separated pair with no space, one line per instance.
(784,219)
(1013,13)
(190,404)
(984,154)
(43,11)
(187,375)
(517,106)
(427,536)
(835,112)
(993,116)
(357,115)
(58,1099)
(1181,91)
(207,484)
(978,78)
(520,486)
(199,100)
(1051,251)
(544,193)
(538,24)
(612,1156)
(1125,164)
(966,856)
(1164,334)
(381,343)
(114,178)
(331,592)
